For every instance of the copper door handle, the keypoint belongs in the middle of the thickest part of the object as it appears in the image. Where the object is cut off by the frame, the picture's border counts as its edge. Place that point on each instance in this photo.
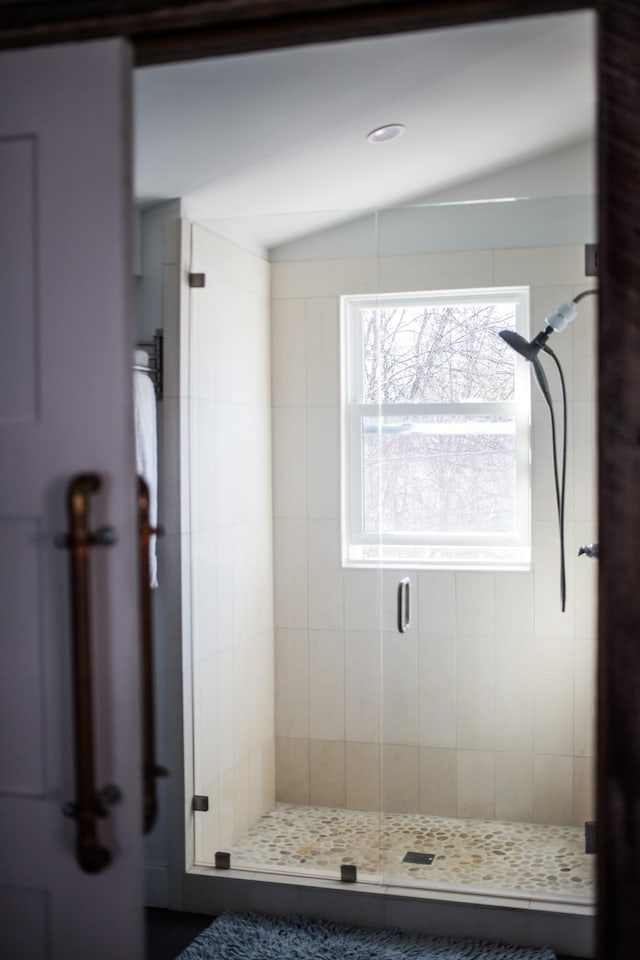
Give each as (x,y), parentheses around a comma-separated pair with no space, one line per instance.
(151,769)
(89,804)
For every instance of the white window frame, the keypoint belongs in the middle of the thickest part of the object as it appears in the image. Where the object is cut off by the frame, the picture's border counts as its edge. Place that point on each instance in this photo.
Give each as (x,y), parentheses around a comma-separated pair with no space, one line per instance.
(444,551)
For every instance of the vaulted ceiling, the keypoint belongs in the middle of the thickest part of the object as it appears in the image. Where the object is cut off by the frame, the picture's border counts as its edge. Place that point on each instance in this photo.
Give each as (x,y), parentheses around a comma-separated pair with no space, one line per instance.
(278,139)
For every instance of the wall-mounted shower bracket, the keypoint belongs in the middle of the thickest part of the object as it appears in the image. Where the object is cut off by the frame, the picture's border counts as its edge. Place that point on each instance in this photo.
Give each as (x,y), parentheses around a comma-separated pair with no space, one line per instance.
(591,260)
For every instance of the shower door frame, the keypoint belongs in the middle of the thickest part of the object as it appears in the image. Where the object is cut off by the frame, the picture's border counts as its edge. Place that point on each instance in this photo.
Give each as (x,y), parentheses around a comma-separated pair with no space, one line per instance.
(167,30)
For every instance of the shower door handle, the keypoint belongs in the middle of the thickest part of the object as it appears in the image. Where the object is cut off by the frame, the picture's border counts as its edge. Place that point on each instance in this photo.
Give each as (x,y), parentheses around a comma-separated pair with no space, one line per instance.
(404,605)
(150,769)
(89,804)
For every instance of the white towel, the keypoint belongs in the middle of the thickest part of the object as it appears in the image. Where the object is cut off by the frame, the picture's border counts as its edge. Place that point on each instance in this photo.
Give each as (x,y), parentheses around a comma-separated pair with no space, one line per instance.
(144,402)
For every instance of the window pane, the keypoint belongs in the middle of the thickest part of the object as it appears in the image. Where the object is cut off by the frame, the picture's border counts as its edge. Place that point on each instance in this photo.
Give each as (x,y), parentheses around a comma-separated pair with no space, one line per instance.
(443,475)
(437,353)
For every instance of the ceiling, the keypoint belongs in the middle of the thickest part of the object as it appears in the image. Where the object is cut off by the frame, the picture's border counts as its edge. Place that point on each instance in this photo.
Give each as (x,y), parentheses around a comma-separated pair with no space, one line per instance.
(277,140)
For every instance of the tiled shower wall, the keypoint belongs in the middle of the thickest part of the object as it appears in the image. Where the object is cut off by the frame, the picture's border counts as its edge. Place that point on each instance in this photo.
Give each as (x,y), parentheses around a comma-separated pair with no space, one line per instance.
(217,413)
(485,708)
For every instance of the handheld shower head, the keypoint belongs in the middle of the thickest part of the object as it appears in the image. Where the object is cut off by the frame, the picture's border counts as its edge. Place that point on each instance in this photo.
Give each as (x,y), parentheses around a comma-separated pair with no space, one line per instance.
(530,352)
(557,320)
(518,343)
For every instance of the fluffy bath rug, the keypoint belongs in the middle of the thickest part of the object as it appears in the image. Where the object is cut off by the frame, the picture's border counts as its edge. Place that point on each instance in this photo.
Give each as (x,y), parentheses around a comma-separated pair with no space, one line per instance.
(235,936)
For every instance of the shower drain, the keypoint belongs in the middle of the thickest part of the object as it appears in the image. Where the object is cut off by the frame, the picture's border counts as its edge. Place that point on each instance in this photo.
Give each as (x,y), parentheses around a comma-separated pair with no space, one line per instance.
(411,856)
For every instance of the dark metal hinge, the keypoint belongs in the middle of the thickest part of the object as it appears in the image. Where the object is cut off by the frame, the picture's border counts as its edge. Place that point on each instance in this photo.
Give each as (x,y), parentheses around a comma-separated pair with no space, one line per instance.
(200,803)
(197,280)
(591,264)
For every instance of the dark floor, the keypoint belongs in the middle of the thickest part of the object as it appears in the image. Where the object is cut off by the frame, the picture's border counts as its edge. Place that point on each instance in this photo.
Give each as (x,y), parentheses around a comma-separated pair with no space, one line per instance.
(169,932)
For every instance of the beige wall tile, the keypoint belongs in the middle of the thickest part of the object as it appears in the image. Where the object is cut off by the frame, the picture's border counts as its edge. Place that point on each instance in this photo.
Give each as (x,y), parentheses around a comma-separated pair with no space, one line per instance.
(584,450)
(326,685)
(399,707)
(290,566)
(514,786)
(327,780)
(323,351)
(323,278)
(323,460)
(362,686)
(438,782)
(362,600)
(553,789)
(436,271)
(399,779)
(554,692)
(514,693)
(363,776)
(241,822)
(585,344)
(326,578)
(227,757)
(437,678)
(437,601)
(513,604)
(292,770)
(261,780)
(289,462)
(471,685)
(585,697)
(288,352)
(292,684)
(205,727)
(539,265)
(241,705)
(475,603)
(226,801)
(476,784)
(475,695)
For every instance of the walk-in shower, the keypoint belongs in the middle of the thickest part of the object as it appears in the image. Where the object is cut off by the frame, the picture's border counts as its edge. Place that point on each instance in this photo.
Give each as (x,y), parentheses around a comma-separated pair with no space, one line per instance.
(318,747)
(452,759)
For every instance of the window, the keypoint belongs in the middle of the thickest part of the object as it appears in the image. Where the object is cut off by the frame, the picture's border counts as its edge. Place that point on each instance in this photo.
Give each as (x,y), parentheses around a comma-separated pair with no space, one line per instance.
(435,431)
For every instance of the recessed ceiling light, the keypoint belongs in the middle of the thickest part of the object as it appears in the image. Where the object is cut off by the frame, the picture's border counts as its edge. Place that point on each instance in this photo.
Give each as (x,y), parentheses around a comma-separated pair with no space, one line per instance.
(389,132)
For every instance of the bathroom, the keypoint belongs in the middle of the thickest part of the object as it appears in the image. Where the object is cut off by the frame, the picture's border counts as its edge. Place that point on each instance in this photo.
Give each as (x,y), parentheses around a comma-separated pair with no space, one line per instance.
(282,675)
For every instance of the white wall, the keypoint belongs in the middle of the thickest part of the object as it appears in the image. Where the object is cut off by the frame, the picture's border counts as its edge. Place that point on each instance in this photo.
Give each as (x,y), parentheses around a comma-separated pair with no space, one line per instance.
(488,702)
(149,309)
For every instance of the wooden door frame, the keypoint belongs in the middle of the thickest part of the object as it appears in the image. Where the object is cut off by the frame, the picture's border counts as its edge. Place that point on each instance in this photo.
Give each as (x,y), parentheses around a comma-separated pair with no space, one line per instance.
(166,31)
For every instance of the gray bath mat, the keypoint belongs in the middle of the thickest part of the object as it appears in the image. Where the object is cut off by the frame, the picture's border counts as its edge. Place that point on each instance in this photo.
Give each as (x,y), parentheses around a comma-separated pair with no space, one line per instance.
(235,936)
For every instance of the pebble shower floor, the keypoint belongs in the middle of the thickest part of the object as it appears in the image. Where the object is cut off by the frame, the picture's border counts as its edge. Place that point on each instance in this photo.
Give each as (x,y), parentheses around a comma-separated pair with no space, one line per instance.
(539,860)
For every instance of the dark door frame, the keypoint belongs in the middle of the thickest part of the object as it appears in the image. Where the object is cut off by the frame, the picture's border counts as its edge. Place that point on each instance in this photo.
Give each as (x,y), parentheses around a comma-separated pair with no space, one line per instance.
(173,30)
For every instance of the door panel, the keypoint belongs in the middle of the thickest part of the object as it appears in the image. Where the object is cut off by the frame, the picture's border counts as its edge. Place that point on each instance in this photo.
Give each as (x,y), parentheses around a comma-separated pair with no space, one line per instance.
(65,408)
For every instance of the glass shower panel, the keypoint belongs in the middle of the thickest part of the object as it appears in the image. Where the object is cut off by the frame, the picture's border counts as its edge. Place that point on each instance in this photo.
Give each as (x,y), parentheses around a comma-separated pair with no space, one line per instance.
(285,640)
(486,723)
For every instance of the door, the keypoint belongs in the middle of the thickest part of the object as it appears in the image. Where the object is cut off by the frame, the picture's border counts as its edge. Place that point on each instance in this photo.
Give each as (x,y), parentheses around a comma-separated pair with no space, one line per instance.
(65,409)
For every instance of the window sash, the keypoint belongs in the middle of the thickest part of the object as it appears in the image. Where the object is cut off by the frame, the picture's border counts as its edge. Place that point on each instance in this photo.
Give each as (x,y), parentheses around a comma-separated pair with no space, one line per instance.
(355,539)
(512,411)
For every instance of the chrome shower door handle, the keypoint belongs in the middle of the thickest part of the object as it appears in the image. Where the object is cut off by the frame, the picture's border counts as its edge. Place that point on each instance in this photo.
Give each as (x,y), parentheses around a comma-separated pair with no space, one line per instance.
(404,605)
